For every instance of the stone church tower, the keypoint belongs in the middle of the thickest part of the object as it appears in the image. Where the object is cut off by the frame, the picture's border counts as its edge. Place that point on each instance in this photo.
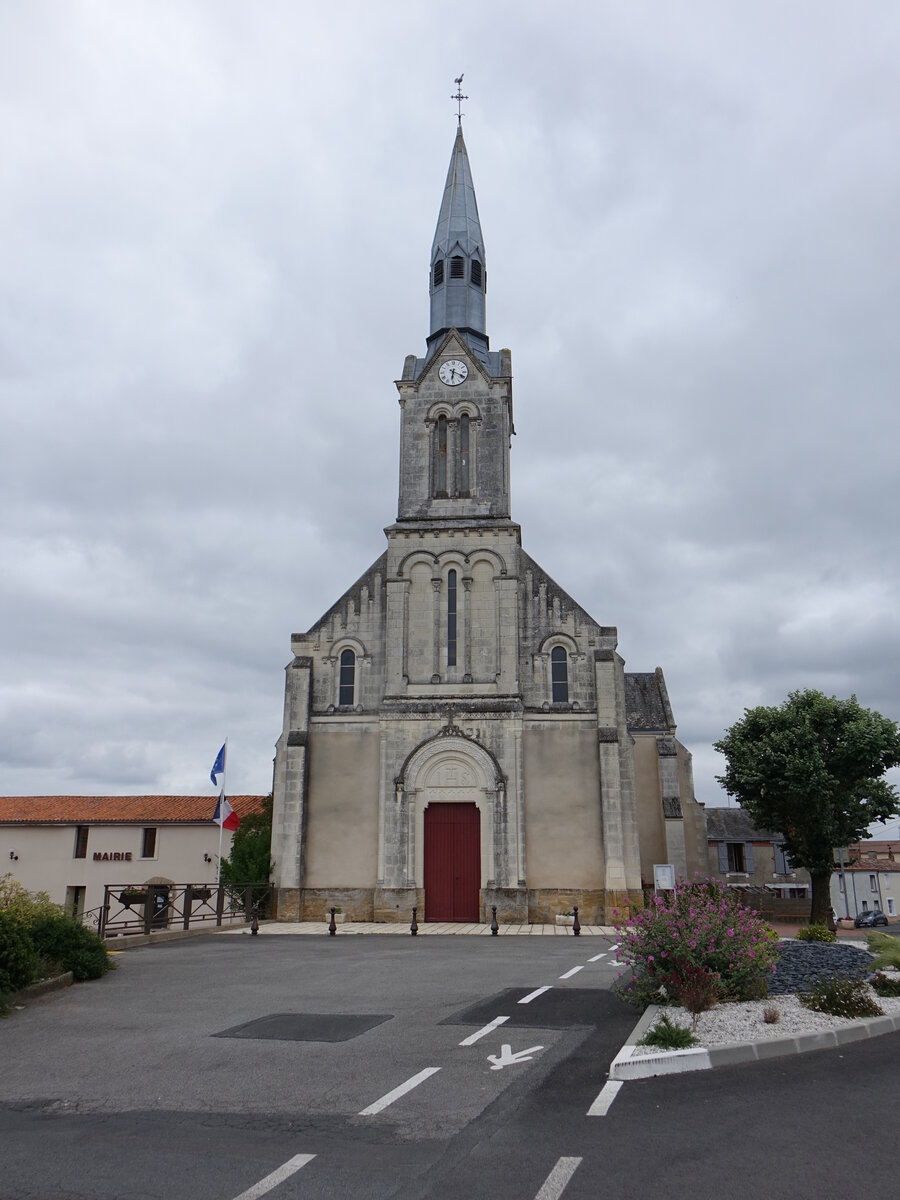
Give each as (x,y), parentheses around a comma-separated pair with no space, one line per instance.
(458,731)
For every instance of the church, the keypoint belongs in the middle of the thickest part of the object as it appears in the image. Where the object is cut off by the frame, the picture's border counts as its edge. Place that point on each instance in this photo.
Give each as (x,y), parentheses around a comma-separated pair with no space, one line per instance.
(459,733)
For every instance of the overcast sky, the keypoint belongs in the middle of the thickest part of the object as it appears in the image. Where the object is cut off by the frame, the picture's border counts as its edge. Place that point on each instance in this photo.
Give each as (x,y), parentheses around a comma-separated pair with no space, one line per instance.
(215,222)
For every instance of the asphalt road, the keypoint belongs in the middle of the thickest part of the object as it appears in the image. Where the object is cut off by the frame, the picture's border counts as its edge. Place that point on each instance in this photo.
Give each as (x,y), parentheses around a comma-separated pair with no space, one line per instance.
(190,1074)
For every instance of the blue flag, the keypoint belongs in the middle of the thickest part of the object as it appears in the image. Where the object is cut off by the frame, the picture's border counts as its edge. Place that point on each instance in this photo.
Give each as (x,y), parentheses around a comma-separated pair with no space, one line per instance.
(218,767)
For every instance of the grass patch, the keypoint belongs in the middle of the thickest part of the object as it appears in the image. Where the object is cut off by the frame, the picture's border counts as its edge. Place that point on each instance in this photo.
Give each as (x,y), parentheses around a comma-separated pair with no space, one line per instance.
(816,933)
(886,950)
(886,985)
(666,1035)
(841,997)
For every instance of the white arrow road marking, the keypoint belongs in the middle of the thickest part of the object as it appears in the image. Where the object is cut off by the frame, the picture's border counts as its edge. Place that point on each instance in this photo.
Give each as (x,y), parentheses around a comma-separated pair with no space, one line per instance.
(398,1092)
(602,1104)
(506,1058)
(555,1183)
(270,1181)
(574,971)
(537,992)
(473,1038)
(597,957)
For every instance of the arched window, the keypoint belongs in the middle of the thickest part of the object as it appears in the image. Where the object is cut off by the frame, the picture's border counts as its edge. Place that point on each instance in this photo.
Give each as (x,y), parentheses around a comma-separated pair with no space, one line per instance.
(559,675)
(438,274)
(347,680)
(440,458)
(457,267)
(476,273)
(464,455)
(451,618)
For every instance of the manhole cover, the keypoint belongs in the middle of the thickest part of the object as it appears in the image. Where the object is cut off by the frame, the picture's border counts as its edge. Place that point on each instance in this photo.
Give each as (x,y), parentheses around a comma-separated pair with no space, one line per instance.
(306,1027)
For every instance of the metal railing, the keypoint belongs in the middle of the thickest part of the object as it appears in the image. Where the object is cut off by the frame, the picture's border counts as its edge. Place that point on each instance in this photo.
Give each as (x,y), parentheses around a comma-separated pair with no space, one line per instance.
(151,907)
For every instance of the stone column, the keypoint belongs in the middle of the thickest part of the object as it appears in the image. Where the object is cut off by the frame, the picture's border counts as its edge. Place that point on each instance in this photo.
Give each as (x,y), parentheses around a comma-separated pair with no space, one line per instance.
(436,654)
(467,628)
(396,620)
(616,885)
(290,789)
(670,798)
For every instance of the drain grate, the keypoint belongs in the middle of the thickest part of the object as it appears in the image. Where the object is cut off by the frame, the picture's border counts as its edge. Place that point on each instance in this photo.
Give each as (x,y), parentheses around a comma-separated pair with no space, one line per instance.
(306,1027)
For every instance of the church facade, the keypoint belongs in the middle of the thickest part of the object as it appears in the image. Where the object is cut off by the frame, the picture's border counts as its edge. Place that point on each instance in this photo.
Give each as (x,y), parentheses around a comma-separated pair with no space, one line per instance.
(459,733)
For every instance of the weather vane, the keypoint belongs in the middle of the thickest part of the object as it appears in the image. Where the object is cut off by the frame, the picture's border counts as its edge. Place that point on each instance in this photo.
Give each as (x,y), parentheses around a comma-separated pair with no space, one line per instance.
(459,97)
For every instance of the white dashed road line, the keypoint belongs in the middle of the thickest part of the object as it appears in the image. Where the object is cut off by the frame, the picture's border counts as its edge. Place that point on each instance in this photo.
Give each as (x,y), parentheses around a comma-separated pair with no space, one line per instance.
(602,1104)
(473,1038)
(277,1176)
(569,974)
(537,992)
(397,1093)
(597,957)
(555,1183)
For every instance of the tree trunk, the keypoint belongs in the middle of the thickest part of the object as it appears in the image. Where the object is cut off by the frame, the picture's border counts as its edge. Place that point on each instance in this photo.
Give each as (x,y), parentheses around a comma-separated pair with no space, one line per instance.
(820,913)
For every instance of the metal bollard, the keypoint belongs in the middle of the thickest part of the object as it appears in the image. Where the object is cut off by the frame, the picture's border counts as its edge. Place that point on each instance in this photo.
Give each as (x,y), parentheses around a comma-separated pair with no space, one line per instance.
(254,924)
(414,926)
(576,924)
(495,928)
(332,928)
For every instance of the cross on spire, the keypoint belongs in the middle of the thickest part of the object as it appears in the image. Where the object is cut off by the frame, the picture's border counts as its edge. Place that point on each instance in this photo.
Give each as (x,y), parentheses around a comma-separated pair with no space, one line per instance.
(459,97)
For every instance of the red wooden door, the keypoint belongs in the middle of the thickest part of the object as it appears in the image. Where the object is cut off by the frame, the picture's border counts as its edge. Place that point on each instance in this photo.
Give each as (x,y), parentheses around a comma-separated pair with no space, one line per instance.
(452,862)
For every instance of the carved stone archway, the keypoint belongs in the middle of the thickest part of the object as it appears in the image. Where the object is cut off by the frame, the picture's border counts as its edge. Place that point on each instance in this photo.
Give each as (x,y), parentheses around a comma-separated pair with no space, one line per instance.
(454,768)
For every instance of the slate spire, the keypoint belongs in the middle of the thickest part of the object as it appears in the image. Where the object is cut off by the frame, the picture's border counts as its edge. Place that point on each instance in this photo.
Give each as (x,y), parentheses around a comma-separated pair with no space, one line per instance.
(458,276)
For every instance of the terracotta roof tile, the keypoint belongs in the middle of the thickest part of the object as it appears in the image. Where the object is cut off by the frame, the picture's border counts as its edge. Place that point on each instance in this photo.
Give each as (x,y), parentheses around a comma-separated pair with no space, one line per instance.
(118,810)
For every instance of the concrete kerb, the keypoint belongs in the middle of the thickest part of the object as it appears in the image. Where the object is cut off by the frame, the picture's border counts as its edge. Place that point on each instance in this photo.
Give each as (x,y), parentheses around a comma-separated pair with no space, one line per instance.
(702,1058)
(45,985)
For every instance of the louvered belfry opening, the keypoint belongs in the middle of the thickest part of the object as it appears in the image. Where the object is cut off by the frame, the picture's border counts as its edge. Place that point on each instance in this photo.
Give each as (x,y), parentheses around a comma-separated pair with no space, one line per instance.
(452,868)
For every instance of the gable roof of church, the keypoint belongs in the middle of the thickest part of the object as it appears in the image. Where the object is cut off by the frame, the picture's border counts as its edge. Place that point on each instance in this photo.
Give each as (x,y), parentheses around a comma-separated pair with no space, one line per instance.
(540,576)
(367,579)
(119,810)
(647,702)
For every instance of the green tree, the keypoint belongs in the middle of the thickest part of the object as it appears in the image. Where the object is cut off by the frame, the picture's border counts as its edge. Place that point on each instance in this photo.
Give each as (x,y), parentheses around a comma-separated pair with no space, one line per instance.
(812,769)
(251,848)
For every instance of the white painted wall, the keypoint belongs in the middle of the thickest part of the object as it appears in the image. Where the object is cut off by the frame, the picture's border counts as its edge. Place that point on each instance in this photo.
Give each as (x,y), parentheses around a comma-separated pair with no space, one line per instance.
(45,857)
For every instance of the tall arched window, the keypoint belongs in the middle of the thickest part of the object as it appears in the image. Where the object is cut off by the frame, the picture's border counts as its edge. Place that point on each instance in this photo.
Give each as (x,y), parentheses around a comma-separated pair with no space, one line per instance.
(464,455)
(347,680)
(451,618)
(559,675)
(440,458)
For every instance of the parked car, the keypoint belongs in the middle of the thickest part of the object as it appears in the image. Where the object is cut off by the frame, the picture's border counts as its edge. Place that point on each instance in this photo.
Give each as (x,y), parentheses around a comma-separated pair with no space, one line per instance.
(866,920)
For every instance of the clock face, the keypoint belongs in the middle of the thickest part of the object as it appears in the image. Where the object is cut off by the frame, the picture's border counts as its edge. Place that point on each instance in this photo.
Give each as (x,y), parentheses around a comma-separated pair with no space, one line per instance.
(453,372)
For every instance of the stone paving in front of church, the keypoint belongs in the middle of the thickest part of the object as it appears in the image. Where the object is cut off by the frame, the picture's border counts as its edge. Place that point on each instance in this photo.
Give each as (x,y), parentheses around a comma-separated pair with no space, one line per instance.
(425,928)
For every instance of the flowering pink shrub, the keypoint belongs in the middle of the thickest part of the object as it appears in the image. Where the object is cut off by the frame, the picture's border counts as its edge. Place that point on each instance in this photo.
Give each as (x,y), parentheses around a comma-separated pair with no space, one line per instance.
(702,927)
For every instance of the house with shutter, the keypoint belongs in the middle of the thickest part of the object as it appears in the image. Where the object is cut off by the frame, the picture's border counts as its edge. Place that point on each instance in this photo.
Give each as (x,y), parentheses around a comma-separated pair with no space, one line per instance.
(869,880)
(747,857)
(72,846)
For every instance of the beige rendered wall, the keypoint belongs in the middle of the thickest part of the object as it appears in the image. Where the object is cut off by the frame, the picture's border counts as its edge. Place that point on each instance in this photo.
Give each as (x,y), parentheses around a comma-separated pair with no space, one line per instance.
(651,823)
(46,863)
(563,837)
(342,807)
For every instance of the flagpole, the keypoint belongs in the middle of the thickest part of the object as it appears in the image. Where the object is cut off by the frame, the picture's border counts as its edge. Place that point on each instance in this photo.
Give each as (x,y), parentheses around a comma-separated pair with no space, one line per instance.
(221,824)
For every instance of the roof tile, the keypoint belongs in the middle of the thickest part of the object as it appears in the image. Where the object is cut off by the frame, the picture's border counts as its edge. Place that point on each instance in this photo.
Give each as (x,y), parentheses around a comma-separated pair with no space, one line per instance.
(118,810)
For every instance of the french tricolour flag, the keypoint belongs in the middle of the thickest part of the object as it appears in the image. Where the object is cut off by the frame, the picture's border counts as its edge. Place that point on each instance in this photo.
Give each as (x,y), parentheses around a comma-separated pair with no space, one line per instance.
(225,814)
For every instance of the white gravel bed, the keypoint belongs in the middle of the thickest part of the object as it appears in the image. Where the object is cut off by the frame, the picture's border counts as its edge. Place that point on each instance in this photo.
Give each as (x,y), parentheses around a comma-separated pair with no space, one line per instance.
(744,1022)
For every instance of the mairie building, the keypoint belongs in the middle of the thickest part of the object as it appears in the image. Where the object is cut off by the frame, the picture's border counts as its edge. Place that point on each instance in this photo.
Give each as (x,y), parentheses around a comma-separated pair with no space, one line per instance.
(459,732)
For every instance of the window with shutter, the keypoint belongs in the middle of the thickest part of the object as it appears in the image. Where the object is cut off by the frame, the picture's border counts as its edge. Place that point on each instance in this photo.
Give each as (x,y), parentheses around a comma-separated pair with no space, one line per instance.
(736,858)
